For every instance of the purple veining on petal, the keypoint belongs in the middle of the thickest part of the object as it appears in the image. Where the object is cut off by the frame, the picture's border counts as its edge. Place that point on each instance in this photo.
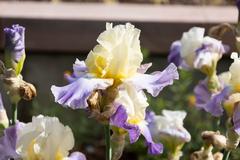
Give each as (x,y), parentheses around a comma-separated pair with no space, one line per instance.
(119,119)
(14,39)
(153,148)
(77,156)
(143,68)
(212,46)
(8,143)
(236,118)
(155,82)
(79,69)
(174,55)
(211,103)
(76,94)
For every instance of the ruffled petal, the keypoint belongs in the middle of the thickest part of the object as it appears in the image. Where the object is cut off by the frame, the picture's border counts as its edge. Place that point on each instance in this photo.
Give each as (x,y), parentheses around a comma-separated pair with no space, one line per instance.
(236,119)
(77,156)
(144,67)
(8,143)
(174,55)
(211,103)
(76,94)
(153,148)
(156,81)
(79,69)
(119,119)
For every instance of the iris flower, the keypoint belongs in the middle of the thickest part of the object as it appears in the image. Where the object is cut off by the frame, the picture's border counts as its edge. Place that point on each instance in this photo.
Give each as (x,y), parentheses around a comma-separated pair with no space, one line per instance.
(44,138)
(196,51)
(115,62)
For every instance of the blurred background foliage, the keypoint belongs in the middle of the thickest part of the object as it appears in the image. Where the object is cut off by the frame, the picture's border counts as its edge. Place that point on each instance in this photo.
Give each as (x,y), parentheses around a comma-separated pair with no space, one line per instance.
(185,2)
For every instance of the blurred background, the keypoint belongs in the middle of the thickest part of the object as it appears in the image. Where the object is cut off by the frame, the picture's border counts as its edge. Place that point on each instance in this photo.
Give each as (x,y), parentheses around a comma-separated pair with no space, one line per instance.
(59,31)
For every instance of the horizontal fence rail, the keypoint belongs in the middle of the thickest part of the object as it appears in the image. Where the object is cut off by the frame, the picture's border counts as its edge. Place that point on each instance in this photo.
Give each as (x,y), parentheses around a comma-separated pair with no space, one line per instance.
(74,27)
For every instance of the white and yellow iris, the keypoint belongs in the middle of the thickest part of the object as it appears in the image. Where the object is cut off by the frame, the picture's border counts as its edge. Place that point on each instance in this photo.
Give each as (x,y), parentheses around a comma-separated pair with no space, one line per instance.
(118,54)
(232,78)
(45,138)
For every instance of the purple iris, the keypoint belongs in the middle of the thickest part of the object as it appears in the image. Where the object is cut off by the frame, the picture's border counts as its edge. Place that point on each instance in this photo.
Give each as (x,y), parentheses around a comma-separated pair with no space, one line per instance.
(14,42)
(210,102)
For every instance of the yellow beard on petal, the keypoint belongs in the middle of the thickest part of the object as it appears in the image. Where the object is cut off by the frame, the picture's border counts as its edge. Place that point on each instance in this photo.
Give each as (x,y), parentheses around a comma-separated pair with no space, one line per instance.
(134,121)
(31,155)
(59,156)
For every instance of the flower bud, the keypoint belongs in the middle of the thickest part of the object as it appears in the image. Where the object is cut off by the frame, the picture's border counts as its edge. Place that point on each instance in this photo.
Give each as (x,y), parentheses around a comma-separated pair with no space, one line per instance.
(15,48)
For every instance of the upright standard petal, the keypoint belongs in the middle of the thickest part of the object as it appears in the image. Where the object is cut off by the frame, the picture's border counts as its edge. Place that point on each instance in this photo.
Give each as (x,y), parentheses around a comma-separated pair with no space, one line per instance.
(190,42)
(208,101)
(174,55)
(76,94)
(8,143)
(155,82)
(118,54)
(15,47)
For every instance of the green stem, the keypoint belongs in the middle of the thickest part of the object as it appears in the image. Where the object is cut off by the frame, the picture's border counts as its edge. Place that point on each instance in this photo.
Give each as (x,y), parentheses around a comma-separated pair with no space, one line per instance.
(108,142)
(226,154)
(14,113)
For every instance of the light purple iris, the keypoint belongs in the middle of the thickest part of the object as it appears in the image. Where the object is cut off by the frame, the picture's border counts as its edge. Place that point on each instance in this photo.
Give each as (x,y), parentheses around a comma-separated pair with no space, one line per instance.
(82,85)
(119,119)
(208,101)
(155,82)
(14,42)
(8,143)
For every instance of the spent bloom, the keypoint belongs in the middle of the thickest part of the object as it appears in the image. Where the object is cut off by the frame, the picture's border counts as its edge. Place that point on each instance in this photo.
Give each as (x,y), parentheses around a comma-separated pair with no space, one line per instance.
(196,51)
(15,47)
(111,82)
(44,138)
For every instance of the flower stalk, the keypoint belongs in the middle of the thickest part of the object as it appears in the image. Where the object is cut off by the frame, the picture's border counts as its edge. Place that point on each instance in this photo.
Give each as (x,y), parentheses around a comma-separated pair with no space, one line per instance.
(14,113)
(108,142)
(226,154)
